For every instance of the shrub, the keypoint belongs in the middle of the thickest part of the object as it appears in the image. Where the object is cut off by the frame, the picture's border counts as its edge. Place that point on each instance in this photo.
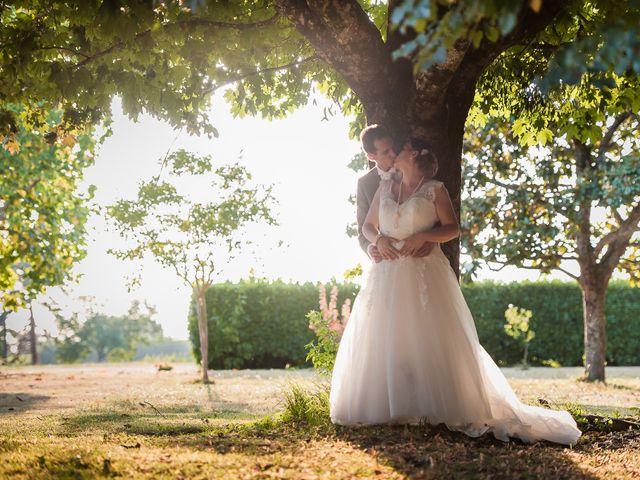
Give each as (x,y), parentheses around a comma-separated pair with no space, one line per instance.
(260,324)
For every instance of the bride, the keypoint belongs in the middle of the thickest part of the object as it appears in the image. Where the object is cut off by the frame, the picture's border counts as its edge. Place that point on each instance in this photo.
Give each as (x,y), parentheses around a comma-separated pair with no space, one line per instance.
(410,351)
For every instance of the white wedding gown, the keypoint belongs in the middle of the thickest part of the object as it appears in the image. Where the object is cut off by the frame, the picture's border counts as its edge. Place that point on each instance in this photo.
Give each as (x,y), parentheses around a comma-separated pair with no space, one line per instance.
(410,350)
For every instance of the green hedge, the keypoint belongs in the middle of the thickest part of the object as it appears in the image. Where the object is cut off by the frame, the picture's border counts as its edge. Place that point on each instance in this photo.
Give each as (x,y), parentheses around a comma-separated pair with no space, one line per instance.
(259,324)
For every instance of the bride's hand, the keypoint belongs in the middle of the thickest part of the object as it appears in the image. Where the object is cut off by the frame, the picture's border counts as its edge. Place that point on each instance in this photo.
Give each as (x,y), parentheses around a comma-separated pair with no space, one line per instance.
(412,245)
(385,248)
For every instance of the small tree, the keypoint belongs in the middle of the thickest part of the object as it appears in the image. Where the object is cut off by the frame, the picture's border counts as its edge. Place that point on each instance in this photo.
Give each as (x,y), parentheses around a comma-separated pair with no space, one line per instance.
(517,327)
(194,239)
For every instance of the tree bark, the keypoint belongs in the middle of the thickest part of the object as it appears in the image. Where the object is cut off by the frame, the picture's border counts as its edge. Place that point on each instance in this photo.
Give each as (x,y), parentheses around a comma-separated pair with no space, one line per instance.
(433,104)
(593,301)
(593,278)
(203,331)
(3,337)
(33,340)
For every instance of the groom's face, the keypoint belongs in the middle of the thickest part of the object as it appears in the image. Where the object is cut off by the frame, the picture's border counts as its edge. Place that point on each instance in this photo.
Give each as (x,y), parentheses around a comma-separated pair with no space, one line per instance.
(384,156)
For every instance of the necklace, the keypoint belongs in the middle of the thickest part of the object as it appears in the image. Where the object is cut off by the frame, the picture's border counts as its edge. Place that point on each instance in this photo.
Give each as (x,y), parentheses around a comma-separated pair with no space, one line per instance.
(415,189)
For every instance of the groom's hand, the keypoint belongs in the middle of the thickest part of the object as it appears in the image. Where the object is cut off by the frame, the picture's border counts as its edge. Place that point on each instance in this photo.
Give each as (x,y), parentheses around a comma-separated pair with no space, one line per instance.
(374,254)
(426,249)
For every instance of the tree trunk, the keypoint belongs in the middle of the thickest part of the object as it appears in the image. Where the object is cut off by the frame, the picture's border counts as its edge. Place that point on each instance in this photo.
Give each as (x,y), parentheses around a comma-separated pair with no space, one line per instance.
(33,341)
(442,126)
(593,298)
(3,337)
(432,104)
(203,330)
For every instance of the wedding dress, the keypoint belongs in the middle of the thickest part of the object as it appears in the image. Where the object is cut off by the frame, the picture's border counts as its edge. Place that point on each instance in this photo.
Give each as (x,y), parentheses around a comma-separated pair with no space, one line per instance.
(410,351)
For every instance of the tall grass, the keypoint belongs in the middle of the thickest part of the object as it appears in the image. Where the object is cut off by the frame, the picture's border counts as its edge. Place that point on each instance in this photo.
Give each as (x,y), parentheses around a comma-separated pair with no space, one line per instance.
(307,406)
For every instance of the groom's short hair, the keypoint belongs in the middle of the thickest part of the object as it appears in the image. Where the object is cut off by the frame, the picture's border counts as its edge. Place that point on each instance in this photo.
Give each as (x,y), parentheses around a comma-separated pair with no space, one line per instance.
(371,134)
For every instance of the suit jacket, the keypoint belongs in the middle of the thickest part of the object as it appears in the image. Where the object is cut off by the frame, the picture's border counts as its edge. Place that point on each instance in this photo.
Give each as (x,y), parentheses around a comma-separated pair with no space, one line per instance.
(367,187)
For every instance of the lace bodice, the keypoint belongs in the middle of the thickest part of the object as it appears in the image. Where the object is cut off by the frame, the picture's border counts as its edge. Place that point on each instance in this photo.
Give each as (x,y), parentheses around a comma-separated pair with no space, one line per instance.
(417,213)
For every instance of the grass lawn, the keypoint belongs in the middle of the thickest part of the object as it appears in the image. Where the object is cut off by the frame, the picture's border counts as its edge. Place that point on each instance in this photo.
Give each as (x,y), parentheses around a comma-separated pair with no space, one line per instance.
(129,421)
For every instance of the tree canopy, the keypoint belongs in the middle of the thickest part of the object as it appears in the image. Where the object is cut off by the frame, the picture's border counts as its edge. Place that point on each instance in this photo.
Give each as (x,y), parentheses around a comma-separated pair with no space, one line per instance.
(42,215)
(525,200)
(576,199)
(167,58)
(411,64)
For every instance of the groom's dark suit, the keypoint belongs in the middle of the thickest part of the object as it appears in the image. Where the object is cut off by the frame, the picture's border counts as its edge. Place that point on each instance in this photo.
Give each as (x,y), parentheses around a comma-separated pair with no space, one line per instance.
(367,187)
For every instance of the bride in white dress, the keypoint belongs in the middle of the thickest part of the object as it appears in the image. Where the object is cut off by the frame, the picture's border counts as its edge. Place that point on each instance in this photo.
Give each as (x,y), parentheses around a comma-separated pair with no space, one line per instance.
(410,351)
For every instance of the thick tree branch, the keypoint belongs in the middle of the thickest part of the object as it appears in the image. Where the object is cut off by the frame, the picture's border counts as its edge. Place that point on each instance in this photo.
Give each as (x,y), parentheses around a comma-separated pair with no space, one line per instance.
(605,144)
(345,38)
(617,216)
(618,241)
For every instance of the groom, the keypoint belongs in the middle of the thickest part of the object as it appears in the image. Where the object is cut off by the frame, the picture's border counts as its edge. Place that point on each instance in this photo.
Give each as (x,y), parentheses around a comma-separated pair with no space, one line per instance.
(377,144)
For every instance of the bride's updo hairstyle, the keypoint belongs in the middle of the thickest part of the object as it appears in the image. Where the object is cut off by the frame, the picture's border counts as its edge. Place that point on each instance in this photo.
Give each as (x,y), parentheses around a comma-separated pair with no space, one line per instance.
(426,159)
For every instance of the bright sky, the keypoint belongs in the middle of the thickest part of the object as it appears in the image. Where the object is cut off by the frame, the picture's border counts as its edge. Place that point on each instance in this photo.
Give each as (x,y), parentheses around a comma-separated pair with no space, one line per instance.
(305,159)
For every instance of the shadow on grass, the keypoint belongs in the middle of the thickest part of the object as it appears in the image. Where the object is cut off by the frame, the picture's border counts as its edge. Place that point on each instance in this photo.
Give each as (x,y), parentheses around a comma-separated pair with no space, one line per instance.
(436,452)
(164,422)
(16,402)
(415,452)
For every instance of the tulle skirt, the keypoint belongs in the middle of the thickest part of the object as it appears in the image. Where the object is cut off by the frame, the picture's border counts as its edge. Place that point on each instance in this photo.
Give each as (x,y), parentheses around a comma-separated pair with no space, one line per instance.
(410,353)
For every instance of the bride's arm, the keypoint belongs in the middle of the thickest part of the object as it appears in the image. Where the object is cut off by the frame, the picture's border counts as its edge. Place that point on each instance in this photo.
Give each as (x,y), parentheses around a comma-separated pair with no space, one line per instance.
(370,230)
(447,230)
(449,227)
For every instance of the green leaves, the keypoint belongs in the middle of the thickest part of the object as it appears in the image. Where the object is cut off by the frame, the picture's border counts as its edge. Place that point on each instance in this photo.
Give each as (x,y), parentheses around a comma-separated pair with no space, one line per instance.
(529,185)
(193,238)
(160,58)
(42,216)
(439,24)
